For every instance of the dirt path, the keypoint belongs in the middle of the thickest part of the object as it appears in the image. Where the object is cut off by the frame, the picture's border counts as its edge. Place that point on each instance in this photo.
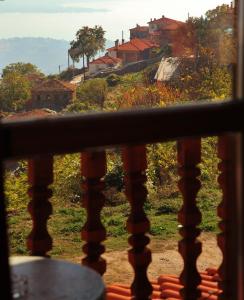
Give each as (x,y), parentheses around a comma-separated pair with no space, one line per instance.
(165,259)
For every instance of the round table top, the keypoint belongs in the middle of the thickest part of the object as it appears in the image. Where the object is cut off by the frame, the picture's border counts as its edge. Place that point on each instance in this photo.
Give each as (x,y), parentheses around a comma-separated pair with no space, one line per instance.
(54,279)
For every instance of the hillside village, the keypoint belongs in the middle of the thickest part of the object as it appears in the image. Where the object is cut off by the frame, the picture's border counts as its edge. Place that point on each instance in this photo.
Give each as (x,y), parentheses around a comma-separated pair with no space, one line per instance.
(145,43)
(161,49)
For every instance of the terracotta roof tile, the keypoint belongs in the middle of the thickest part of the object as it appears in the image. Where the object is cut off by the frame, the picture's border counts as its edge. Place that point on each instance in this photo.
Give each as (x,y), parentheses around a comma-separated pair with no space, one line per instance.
(165,21)
(168,287)
(54,84)
(106,59)
(136,45)
(169,24)
(36,113)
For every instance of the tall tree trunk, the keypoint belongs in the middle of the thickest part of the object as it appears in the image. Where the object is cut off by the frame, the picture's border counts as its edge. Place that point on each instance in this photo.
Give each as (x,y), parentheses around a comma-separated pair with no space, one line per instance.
(84,69)
(88,61)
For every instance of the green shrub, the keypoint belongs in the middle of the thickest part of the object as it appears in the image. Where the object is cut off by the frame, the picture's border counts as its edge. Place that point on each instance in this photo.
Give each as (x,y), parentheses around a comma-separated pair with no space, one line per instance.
(93,92)
(67,178)
(113,80)
(16,186)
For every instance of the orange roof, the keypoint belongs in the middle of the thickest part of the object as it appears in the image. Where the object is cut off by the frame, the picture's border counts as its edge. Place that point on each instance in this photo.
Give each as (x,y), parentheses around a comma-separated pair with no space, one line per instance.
(36,113)
(106,59)
(135,45)
(168,287)
(54,84)
(169,24)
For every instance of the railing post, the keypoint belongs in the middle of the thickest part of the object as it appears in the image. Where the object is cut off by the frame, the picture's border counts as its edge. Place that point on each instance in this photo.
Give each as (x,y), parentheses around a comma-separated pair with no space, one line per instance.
(135,164)
(93,168)
(40,176)
(189,156)
(5,285)
(227,211)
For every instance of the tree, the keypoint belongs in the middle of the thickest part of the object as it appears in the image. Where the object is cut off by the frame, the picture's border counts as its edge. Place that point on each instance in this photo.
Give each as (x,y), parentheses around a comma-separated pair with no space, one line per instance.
(214,32)
(211,40)
(204,79)
(91,96)
(21,68)
(87,43)
(15,89)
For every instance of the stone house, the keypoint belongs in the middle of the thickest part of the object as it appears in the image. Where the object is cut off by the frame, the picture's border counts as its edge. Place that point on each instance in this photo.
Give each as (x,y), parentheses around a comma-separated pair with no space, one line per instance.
(52,94)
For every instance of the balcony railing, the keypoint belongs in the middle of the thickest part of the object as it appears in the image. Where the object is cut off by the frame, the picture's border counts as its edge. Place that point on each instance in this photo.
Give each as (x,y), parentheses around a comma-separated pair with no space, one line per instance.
(38,140)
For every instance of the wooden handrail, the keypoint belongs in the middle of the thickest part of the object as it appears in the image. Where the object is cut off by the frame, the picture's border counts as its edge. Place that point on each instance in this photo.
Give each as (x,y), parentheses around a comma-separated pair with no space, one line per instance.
(69,134)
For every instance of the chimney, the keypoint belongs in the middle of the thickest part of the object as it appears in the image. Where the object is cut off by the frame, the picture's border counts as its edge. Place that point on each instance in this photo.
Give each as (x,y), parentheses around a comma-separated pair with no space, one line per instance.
(151,20)
(116,44)
(231,4)
(123,40)
(162,16)
(154,19)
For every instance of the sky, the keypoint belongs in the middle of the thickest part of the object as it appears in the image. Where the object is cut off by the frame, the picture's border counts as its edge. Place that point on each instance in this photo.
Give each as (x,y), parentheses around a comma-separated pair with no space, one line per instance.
(61,19)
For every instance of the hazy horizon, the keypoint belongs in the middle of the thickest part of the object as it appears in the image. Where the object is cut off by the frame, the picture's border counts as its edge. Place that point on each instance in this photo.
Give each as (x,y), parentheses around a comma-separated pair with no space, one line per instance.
(60,19)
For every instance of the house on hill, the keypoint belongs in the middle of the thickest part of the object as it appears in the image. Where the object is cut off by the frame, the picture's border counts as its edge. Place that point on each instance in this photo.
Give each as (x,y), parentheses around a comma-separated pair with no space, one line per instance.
(139,32)
(133,51)
(163,30)
(52,94)
(103,63)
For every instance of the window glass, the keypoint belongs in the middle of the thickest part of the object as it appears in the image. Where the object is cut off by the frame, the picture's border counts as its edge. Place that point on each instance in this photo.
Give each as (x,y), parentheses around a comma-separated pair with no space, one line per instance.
(113,55)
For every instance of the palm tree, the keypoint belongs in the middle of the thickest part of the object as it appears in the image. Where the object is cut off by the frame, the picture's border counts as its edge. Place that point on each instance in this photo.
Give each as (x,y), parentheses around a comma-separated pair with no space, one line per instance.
(87,44)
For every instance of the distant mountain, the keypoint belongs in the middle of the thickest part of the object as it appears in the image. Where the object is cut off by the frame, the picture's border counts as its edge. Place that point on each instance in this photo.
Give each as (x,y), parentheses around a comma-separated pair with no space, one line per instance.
(46,53)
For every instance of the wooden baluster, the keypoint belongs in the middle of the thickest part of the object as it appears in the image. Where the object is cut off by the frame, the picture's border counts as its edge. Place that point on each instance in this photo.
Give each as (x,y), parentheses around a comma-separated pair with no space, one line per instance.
(5,286)
(135,164)
(40,176)
(93,168)
(227,213)
(189,156)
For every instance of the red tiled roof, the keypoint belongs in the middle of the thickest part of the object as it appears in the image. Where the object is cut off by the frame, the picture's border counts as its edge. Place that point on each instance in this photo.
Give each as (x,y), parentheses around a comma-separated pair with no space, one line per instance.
(168,287)
(169,24)
(68,85)
(55,84)
(135,45)
(36,113)
(106,59)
